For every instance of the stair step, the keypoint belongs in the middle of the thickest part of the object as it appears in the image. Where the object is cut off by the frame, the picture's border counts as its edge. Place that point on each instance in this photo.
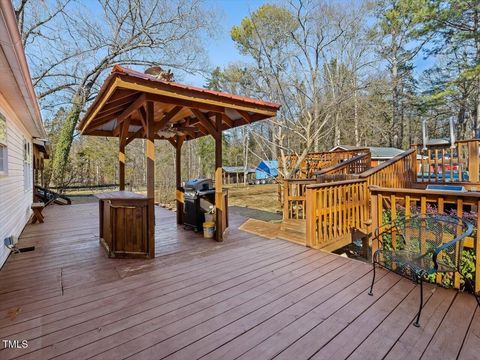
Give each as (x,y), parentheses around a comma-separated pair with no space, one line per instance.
(299,226)
(293,236)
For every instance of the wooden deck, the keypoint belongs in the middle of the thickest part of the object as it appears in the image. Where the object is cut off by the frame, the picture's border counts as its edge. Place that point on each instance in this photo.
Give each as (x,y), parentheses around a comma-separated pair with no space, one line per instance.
(249,298)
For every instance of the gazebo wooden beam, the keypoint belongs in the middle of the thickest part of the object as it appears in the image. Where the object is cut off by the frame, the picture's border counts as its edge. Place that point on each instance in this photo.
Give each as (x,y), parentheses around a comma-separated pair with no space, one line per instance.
(187,130)
(205,121)
(138,134)
(121,94)
(186,103)
(227,120)
(118,103)
(133,107)
(166,118)
(245,115)
(143,117)
(103,119)
(202,128)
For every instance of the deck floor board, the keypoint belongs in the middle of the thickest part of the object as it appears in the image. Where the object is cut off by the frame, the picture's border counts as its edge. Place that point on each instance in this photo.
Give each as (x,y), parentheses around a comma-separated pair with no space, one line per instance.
(248,297)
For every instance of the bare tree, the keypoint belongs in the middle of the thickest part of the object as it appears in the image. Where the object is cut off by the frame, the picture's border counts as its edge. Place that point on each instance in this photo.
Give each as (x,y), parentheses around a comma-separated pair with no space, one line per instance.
(72,47)
(297,65)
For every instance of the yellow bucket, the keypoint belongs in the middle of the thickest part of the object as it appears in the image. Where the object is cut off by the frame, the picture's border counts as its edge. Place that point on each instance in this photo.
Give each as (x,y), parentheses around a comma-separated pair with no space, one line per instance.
(208,229)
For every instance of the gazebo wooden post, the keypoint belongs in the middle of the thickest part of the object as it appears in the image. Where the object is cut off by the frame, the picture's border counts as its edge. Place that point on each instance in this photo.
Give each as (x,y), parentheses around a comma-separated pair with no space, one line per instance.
(122,140)
(178,178)
(121,165)
(150,153)
(218,179)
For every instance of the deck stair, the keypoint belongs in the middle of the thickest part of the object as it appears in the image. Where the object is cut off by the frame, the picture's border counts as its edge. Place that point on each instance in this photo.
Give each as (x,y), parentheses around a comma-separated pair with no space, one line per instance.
(293,230)
(325,212)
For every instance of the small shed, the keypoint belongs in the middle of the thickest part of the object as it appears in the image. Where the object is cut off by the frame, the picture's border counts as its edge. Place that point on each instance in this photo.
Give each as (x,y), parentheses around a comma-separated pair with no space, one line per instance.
(237,174)
(266,169)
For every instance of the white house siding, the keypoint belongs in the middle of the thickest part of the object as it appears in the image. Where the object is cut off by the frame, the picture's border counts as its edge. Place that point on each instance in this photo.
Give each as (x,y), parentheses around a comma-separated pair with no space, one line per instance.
(15,200)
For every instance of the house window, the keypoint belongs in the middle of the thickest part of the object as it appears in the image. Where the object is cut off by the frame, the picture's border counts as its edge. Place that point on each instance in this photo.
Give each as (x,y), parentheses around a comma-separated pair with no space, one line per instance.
(27,165)
(3,146)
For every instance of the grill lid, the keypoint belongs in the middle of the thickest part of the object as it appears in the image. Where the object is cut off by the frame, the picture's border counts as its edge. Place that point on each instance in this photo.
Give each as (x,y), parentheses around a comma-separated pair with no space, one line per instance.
(198,184)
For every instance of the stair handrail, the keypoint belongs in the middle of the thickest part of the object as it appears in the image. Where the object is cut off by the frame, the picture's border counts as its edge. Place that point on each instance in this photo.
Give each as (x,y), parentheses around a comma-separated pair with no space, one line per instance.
(387,163)
(338,168)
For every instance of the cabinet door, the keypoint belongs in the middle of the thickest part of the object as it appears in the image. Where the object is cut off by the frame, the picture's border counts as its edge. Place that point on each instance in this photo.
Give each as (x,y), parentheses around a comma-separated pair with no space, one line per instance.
(130,230)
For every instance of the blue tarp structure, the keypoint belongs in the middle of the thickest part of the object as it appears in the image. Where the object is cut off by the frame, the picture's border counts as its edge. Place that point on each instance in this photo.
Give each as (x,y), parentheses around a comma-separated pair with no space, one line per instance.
(266,169)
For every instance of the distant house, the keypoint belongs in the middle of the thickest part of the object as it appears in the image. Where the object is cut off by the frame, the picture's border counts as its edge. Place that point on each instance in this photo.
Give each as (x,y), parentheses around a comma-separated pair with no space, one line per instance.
(20,126)
(266,169)
(236,174)
(379,154)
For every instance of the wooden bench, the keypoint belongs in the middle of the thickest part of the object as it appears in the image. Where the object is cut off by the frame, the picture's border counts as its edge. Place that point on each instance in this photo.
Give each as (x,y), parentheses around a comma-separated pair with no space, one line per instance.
(37,208)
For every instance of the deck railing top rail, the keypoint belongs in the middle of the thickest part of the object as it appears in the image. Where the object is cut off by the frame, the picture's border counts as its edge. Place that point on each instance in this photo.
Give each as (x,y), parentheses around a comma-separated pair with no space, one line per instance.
(328,153)
(344,165)
(299,181)
(314,162)
(456,194)
(448,144)
(387,163)
(336,183)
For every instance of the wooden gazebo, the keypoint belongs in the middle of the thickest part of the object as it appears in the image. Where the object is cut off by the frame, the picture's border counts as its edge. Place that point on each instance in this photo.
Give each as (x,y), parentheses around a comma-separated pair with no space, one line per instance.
(133,105)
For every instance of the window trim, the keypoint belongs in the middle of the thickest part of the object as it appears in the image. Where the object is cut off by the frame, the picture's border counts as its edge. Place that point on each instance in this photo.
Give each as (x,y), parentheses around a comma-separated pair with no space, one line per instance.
(4,172)
(4,144)
(27,165)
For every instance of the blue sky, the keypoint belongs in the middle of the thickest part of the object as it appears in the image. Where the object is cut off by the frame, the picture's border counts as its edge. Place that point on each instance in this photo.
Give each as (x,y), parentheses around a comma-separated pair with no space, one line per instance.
(221,50)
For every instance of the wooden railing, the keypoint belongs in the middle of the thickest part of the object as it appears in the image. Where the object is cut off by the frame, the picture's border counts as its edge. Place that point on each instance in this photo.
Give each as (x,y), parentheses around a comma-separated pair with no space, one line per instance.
(346,170)
(294,198)
(315,162)
(334,210)
(409,201)
(398,172)
(442,164)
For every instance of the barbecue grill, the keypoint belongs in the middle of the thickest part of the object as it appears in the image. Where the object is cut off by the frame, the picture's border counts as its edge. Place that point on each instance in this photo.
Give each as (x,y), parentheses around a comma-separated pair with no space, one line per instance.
(199,195)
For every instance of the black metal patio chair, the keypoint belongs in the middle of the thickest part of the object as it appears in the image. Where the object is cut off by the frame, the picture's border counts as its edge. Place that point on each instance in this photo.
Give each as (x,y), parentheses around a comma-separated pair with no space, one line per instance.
(419,246)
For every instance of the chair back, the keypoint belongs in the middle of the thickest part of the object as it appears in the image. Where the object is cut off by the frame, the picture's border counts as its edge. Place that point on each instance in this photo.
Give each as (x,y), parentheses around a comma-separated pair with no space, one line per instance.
(437,236)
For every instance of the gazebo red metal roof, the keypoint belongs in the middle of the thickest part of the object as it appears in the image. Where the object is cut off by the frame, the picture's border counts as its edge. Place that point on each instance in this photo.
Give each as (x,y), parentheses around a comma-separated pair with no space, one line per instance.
(179,110)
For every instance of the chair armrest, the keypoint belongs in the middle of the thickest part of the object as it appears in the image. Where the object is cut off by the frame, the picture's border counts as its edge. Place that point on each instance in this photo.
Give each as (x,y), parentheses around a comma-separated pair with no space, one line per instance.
(451,243)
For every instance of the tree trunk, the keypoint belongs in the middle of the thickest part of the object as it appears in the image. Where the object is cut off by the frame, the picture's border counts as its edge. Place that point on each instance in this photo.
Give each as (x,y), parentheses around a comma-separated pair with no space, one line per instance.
(337,135)
(64,143)
(355,117)
(395,105)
